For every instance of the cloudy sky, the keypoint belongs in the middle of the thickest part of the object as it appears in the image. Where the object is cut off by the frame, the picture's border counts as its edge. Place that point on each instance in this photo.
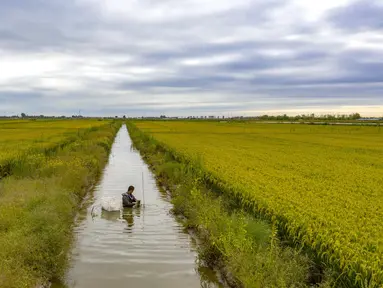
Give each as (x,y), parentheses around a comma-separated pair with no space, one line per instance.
(191,57)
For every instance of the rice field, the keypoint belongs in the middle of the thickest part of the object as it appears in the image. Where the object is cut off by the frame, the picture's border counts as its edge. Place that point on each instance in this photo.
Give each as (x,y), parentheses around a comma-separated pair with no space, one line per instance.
(323,184)
(19,136)
(46,169)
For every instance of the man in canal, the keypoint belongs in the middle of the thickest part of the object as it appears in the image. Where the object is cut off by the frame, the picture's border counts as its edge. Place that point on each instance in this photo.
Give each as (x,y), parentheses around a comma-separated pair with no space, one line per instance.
(128,199)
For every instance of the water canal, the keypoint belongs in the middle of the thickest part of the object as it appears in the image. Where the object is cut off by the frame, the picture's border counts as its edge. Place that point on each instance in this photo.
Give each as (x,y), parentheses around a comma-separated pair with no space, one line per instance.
(139,247)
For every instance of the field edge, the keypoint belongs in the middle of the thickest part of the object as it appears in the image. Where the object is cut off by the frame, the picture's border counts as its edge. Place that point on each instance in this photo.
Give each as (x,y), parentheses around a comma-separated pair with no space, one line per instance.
(36,248)
(169,167)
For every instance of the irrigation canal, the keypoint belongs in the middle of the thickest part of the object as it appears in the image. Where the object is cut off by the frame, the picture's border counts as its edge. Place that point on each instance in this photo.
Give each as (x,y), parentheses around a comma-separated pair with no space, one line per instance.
(139,247)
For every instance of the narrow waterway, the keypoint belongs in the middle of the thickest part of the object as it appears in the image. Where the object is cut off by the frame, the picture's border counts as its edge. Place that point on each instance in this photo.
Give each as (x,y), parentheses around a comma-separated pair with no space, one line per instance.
(137,247)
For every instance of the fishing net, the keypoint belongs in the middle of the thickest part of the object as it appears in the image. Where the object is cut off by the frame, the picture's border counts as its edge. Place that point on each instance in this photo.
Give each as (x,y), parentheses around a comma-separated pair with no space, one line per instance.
(111,203)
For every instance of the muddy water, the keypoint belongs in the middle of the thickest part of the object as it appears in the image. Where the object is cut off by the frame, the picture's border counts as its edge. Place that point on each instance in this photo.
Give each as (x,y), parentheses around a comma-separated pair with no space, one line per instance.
(137,247)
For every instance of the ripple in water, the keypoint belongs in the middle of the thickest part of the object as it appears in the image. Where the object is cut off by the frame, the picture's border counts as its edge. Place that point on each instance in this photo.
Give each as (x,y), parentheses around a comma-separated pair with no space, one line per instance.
(139,247)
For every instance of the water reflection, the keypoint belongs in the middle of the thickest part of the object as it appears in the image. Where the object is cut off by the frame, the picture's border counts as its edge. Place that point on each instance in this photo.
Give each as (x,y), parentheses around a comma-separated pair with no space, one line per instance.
(113,216)
(208,277)
(130,220)
(136,247)
(128,215)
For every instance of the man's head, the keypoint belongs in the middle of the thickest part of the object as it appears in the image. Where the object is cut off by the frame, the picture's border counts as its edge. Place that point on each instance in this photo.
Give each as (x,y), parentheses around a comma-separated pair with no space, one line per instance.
(130,189)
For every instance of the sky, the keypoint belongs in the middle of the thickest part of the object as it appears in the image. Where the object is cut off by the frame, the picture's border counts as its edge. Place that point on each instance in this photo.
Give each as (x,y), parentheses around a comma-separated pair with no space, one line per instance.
(191,57)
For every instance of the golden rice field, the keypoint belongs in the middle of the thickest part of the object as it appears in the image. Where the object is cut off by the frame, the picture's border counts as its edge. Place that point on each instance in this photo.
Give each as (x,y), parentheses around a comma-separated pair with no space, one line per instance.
(19,136)
(46,169)
(323,183)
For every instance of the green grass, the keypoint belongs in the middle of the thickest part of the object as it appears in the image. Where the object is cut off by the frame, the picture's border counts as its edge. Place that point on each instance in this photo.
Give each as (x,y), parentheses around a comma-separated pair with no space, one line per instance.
(38,202)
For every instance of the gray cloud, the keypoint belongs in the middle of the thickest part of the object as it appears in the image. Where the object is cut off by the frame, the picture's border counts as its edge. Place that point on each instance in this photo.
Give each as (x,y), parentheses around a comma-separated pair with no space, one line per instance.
(108,57)
(361,15)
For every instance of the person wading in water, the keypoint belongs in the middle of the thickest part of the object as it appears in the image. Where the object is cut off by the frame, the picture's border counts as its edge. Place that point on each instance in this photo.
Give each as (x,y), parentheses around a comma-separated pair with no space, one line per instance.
(128,199)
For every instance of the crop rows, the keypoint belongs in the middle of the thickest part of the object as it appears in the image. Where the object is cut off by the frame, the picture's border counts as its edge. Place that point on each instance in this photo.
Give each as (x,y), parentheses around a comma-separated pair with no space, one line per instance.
(48,176)
(324,184)
(19,138)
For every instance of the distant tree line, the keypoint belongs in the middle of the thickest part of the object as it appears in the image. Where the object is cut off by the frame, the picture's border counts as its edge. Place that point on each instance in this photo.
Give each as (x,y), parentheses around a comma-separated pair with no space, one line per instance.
(25,116)
(353,116)
(283,117)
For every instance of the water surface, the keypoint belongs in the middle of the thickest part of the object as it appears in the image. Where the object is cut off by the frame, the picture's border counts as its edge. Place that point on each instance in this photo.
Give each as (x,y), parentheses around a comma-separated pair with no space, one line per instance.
(137,247)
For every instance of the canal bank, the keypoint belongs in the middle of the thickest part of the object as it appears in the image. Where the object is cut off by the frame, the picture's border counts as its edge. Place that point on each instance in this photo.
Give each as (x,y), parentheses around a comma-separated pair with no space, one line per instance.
(243,246)
(139,247)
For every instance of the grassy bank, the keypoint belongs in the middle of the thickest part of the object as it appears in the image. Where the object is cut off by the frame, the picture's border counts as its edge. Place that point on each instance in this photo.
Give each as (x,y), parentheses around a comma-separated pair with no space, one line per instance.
(38,202)
(247,250)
